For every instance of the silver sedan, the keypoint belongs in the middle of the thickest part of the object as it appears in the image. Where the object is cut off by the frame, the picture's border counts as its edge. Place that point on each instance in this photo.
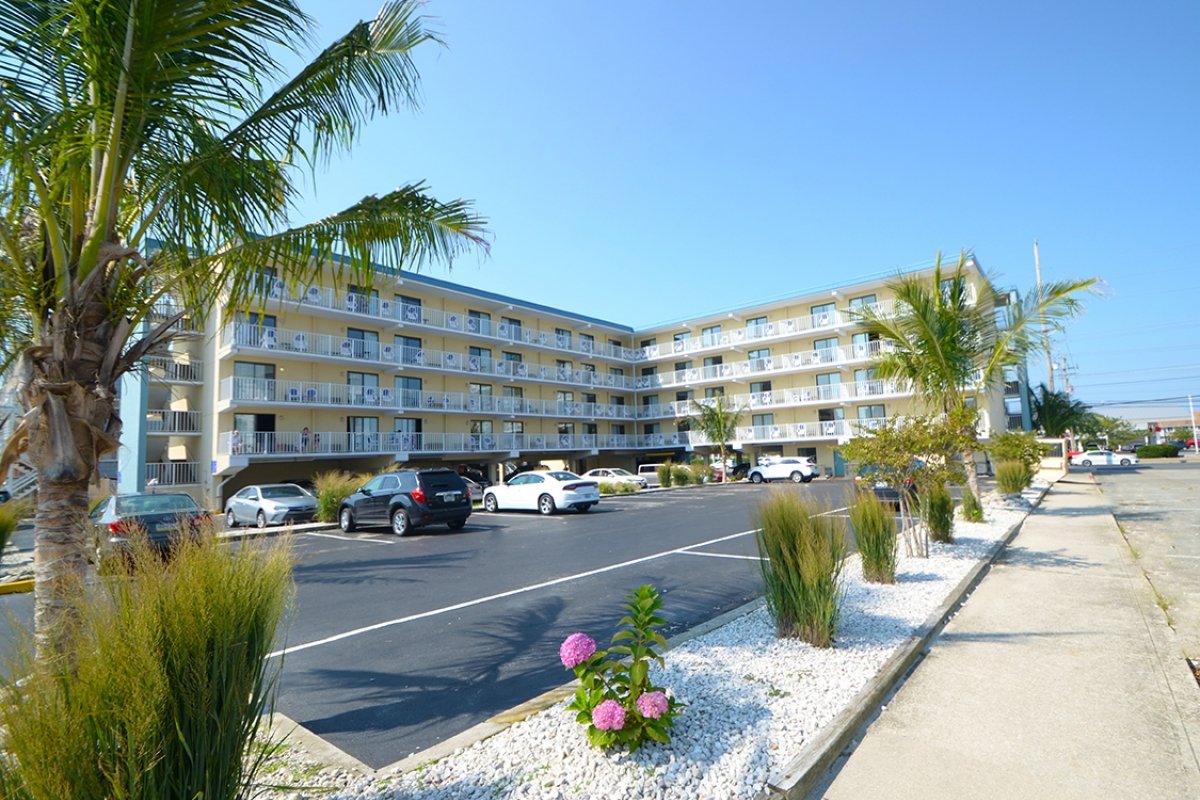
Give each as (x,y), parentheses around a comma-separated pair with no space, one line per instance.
(270,504)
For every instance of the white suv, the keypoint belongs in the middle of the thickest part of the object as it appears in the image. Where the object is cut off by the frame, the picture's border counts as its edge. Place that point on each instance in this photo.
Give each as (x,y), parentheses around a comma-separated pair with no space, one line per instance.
(799,469)
(649,473)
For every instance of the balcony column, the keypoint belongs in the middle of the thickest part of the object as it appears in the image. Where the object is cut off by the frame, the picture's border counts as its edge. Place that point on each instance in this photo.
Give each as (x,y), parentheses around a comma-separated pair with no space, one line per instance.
(131,456)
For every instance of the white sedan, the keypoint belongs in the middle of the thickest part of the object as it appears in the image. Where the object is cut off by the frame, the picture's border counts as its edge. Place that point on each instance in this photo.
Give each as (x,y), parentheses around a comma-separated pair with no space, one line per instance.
(615,475)
(796,470)
(1089,458)
(543,491)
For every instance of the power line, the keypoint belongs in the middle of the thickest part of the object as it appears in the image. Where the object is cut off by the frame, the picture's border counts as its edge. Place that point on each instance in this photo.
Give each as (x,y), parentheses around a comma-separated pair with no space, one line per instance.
(1143,380)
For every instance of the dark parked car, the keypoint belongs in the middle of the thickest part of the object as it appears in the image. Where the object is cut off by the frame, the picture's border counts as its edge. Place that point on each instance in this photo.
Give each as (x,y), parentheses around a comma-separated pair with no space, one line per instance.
(407,499)
(5,496)
(868,476)
(161,518)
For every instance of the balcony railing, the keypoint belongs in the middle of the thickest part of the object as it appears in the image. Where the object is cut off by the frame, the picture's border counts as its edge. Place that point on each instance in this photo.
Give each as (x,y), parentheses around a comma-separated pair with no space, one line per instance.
(164,368)
(258,390)
(164,420)
(292,443)
(163,311)
(173,473)
(786,362)
(390,311)
(279,339)
(783,398)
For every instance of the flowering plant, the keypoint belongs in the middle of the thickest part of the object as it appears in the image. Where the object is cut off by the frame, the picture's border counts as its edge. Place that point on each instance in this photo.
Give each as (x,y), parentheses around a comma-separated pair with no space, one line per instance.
(615,698)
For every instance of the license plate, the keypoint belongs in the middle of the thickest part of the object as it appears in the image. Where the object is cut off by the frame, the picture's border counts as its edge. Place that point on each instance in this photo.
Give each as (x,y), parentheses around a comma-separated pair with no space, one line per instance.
(450,497)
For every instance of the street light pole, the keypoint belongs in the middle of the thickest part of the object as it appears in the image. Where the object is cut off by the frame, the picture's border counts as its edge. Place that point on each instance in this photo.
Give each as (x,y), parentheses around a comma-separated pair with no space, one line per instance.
(1192,419)
(1037,265)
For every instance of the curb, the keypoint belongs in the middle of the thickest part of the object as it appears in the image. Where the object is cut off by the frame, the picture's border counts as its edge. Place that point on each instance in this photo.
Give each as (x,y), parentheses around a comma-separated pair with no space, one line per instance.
(17,587)
(805,771)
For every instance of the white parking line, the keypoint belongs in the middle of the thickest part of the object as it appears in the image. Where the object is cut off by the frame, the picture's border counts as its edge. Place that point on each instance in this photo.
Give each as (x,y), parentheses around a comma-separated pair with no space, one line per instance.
(510,593)
(348,538)
(722,555)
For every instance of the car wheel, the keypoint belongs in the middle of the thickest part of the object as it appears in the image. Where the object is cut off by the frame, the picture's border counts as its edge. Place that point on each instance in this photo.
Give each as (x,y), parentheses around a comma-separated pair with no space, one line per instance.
(796,477)
(807,478)
(400,523)
(457,525)
(230,520)
(489,504)
(260,520)
(1087,462)
(546,505)
(756,477)
(346,520)
(1124,462)
(583,508)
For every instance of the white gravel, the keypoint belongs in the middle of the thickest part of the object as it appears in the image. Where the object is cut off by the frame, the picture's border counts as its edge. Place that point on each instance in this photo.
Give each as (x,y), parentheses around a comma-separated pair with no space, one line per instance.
(753,701)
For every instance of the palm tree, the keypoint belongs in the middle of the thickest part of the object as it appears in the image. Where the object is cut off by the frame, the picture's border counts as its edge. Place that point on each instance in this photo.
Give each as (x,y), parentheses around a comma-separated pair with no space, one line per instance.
(1056,413)
(718,421)
(144,157)
(951,347)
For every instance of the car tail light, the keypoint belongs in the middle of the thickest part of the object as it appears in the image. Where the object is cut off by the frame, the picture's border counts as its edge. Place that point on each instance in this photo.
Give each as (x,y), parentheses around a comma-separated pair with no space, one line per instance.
(120,526)
(418,495)
(571,487)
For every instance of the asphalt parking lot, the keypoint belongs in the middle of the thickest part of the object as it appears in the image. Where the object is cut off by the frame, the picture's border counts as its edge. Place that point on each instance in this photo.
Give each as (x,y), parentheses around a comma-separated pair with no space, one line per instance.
(396,644)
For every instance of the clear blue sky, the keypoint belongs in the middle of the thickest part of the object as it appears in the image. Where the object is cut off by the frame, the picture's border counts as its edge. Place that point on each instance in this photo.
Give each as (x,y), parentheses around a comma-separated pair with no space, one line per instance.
(641,161)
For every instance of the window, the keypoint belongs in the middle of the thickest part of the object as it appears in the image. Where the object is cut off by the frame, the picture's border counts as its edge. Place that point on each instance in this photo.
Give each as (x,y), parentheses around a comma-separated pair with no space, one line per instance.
(616,429)
(367,298)
(871,412)
(829,378)
(562,364)
(562,337)
(1012,406)
(760,386)
(650,429)
(680,366)
(649,370)
(831,414)
(256,319)
(683,397)
(564,397)
(587,343)
(683,336)
(588,397)
(589,428)
(616,372)
(760,420)
(479,426)
(412,302)
(711,334)
(479,389)
(479,358)
(617,400)
(649,400)
(514,426)
(714,391)
(409,391)
(755,322)
(762,352)
(479,322)
(588,368)
(826,345)
(364,433)
(648,343)
(713,361)
(514,391)
(365,343)
(566,429)
(406,425)
(512,358)
(861,342)
(514,326)
(861,302)
(253,381)
(361,380)
(407,348)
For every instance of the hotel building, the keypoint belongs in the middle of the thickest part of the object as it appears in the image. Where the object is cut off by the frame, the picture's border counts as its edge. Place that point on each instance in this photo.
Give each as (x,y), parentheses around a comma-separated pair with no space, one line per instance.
(423,371)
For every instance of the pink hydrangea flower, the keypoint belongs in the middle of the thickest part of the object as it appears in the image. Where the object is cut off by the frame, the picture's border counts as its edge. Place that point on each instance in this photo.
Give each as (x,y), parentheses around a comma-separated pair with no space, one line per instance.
(576,649)
(609,716)
(652,705)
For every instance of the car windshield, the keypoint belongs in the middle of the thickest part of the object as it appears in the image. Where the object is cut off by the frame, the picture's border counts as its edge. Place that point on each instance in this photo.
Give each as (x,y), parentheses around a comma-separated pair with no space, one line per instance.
(276,492)
(563,476)
(621,472)
(156,504)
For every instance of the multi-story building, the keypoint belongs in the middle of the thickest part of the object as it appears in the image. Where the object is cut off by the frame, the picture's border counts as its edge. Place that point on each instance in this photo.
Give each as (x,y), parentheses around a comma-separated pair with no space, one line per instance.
(421,370)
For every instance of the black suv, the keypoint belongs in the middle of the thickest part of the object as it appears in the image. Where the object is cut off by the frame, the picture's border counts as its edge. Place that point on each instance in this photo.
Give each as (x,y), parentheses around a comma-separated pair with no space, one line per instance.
(407,499)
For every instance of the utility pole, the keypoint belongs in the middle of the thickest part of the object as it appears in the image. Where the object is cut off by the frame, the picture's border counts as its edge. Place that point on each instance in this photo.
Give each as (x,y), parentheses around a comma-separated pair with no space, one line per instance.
(1192,419)
(1037,265)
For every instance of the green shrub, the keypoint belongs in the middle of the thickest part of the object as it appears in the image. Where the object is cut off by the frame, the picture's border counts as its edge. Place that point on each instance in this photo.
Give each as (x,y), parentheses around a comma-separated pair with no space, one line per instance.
(617,487)
(875,536)
(11,514)
(972,510)
(167,687)
(1012,477)
(665,473)
(331,488)
(1157,451)
(681,476)
(701,471)
(1017,446)
(802,558)
(937,509)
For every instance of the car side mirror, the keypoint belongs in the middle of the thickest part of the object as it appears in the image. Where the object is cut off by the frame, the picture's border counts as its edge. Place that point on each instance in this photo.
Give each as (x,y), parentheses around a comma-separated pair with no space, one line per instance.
(365,490)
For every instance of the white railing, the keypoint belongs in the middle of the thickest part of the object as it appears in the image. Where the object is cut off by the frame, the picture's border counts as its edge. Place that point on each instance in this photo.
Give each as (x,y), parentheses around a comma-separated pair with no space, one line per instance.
(164,368)
(173,473)
(779,329)
(165,420)
(785,362)
(23,484)
(245,335)
(391,311)
(783,398)
(259,391)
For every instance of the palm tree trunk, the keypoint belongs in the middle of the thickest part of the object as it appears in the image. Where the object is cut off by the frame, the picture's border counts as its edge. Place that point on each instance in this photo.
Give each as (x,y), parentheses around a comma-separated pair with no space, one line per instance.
(59,564)
(968,456)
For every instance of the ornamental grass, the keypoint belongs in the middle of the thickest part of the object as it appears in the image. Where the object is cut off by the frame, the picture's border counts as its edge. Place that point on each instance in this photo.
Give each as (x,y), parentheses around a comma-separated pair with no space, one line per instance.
(875,536)
(802,558)
(1012,477)
(972,510)
(937,511)
(166,686)
(331,488)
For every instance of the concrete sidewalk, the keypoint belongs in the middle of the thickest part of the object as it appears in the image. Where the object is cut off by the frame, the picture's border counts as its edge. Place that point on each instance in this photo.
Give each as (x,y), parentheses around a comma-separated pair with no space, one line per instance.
(1058,678)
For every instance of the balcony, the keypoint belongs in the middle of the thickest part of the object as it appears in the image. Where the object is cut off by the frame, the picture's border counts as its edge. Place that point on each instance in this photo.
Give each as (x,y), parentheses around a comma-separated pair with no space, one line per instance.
(754,334)
(784,398)
(826,357)
(169,370)
(166,421)
(163,311)
(258,391)
(173,473)
(307,345)
(389,312)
